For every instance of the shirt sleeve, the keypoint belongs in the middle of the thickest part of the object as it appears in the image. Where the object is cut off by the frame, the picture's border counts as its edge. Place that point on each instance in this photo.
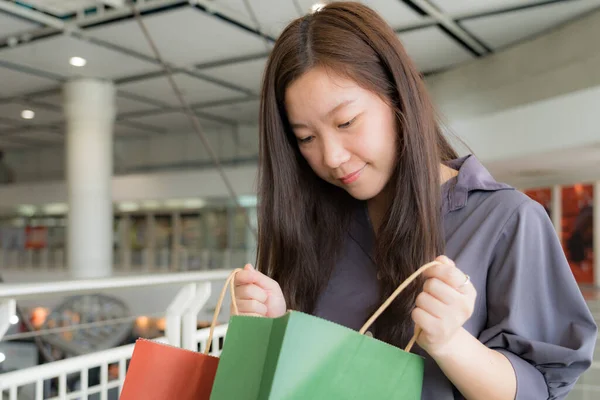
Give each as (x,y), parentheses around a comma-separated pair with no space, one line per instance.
(537,316)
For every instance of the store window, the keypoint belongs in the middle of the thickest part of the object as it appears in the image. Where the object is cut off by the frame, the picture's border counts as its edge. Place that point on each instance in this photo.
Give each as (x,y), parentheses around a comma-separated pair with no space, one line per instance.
(578,230)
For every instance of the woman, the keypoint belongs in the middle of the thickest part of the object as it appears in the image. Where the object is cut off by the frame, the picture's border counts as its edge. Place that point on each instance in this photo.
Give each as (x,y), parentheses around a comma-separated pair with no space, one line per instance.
(358,188)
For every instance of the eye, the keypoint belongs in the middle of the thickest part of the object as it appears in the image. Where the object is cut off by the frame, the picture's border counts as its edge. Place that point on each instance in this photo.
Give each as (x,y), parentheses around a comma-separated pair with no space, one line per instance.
(306,140)
(347,124)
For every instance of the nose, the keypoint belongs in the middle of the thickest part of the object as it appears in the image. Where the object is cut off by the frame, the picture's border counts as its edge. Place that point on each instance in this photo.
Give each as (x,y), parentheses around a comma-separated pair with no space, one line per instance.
(334,152)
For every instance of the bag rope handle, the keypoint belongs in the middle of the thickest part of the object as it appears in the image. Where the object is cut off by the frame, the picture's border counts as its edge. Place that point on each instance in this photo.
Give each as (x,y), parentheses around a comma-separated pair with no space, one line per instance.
(392,297)
(230,281)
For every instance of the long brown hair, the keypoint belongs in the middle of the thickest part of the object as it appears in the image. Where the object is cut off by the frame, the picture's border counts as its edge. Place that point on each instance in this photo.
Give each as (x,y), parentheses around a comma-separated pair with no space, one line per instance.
(302,220)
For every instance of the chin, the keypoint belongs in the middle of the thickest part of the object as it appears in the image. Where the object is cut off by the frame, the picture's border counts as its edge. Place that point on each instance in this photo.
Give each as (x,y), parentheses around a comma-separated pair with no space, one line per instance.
(362,194)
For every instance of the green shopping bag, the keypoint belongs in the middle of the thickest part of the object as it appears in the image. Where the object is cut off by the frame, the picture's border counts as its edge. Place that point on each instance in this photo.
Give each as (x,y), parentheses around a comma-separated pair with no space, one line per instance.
(299,356)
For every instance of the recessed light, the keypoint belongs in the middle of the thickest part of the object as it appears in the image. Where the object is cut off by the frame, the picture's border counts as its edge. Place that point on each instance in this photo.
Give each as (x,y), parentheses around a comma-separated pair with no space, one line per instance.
(128,206)
(2,357)
(150,205)
(194,203)
(77,61)
(14,320)
(317,7)
(55,208)
(27,114)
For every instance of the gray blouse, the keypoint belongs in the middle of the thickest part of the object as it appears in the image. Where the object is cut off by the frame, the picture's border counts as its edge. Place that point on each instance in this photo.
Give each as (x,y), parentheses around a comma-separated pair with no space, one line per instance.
(528,306)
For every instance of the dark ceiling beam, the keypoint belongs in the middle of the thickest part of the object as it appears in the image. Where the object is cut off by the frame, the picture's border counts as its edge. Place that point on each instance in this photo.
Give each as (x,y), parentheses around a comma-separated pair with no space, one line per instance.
(196,107)
(465,39)
(235,23)
(233,60)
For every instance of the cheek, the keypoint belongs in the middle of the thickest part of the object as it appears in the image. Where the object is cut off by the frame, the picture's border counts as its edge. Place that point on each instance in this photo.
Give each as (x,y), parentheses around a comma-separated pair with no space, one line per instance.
(378,146)
(313,158)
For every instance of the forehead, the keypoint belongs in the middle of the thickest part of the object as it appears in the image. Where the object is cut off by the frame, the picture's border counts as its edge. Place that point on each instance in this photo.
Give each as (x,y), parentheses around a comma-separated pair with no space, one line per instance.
(321,89)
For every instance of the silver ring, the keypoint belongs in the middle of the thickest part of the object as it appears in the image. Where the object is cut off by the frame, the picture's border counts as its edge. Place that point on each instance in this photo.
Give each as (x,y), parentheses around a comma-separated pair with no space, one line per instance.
(466,282)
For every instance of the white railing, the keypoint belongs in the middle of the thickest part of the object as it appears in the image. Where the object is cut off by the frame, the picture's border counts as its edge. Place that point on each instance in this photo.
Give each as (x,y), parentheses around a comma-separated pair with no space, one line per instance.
(32,383)
(181,314)
(180,331)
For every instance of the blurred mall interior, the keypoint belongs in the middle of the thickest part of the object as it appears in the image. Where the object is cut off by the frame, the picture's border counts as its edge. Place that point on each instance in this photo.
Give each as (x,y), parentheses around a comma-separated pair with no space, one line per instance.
(115,222)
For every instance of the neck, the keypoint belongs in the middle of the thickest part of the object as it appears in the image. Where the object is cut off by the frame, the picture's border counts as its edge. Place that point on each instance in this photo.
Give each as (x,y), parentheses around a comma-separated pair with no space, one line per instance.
(378,205)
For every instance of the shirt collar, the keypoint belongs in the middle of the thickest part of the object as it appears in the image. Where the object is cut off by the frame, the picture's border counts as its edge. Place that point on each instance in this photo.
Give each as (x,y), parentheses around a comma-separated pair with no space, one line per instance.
(472,176)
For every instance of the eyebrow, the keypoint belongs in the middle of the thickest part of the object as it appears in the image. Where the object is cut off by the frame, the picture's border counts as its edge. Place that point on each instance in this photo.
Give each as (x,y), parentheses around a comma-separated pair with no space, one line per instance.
(328,114)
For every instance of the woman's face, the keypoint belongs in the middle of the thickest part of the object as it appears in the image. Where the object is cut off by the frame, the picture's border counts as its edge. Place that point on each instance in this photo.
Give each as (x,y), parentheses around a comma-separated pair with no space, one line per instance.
(346,133)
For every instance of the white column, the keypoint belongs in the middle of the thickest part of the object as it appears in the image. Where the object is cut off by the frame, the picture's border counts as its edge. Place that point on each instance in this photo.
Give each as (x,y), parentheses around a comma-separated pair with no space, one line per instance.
(597,234)
(90,113)
(556,205)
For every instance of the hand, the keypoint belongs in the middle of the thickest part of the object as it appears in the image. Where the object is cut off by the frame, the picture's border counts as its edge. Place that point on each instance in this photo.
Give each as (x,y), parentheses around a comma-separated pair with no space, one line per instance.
(443,307)
(257,294)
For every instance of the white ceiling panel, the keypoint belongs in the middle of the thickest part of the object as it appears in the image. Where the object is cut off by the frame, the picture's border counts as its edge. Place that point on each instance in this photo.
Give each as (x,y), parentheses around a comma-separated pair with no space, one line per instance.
(6,143)
(17,83)
(432,50)
(396,13)
(185,37)
(53,54)
(173,122)
(502,30)
(40,135)
(124,104)
(130,131)
(247,74)
(127,105)
(461,7)
(275,15)
(4,126)
(42,116)
(193,89)
(10,25)
(246,112)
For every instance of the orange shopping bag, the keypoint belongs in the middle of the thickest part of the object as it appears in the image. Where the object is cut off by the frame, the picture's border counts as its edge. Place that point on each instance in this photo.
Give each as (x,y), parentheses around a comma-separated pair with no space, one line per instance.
(161,372)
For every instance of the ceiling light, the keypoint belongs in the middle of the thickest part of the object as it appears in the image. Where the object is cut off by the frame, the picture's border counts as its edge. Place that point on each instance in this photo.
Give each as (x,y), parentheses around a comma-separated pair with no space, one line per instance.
(27,114)
(247,201)
(150,205)
(194,203)
(317,7)
(14,320)
(26,209)
(77,61)
(56,208)
(128,206)
(2,357)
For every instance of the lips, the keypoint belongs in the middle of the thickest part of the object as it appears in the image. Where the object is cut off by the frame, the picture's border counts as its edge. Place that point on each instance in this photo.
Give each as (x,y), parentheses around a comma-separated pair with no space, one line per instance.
(346,180)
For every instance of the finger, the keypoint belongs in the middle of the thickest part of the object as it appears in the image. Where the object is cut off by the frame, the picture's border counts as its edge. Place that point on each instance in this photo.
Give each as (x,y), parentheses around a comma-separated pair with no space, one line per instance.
(251,292)
(431,305)
(447,273)
(423,319)
(445,260)
(251,315)
(441,291)
(249,275)
(245,276)
(251,306)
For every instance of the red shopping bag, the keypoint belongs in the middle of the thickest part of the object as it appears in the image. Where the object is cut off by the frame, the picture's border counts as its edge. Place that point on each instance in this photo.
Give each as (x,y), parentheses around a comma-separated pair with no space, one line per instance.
(161,372)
